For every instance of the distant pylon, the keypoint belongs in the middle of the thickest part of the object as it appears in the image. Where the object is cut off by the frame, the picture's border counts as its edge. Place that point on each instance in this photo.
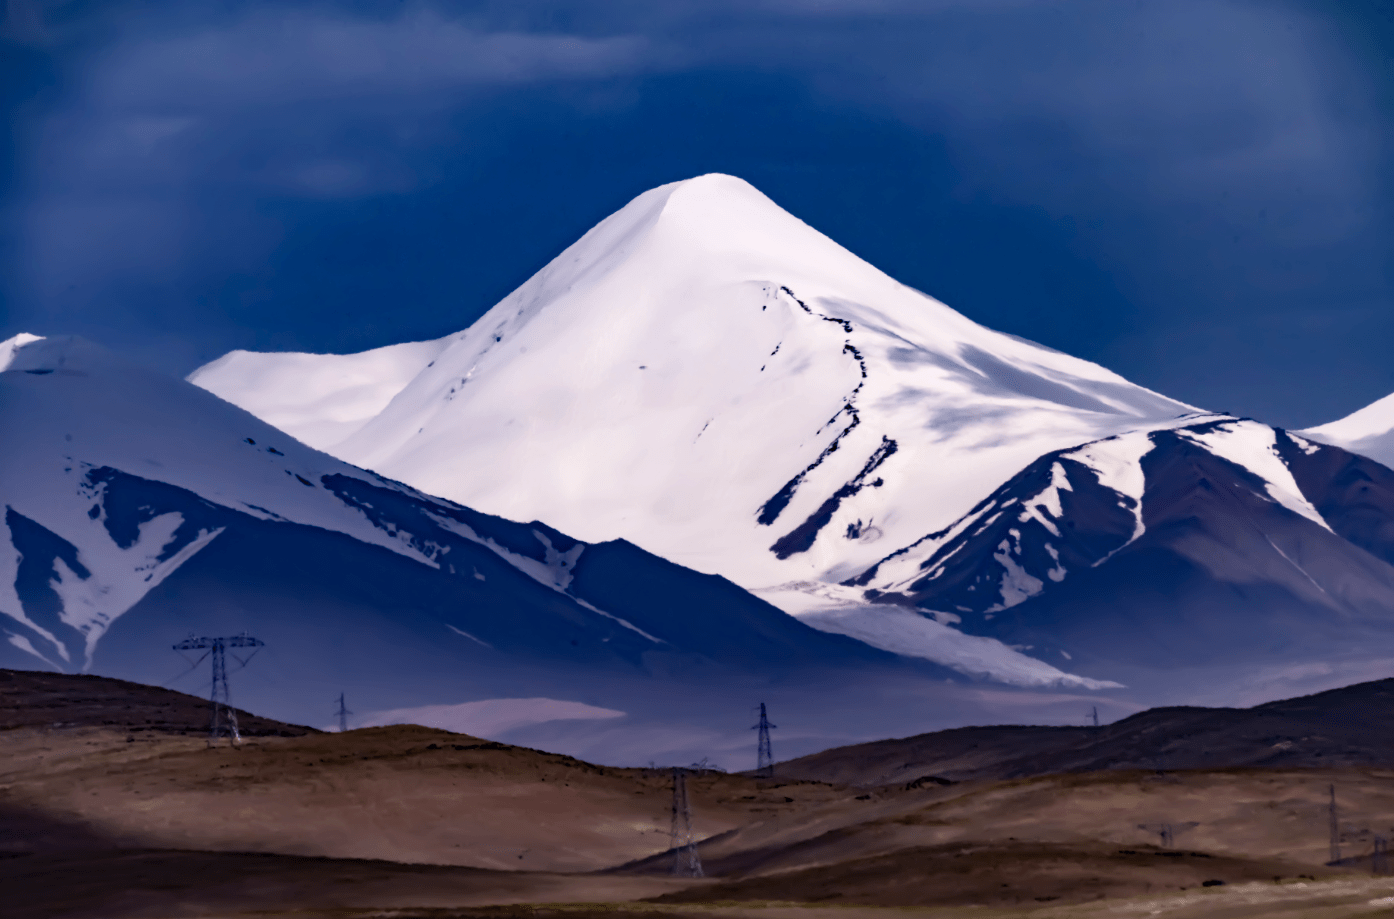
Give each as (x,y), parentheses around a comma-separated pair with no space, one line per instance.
(1096,716)
(223,718)
(686,862)
(1335,827)
(343,714)
(764,758)
(1379,861)
(1168,831)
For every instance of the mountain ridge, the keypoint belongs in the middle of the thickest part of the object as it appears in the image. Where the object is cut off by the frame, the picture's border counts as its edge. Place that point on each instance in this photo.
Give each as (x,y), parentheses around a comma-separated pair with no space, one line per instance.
(136,508)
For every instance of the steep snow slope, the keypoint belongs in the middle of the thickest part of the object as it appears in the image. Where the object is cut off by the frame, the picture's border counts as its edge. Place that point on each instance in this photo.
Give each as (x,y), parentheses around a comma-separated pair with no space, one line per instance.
(706,375)
(1369,431)
(71,409)
(113,477)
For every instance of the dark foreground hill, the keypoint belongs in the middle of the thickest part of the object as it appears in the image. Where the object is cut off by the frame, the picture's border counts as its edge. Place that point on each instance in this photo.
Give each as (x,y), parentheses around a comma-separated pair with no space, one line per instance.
(35,699)
(1352,726)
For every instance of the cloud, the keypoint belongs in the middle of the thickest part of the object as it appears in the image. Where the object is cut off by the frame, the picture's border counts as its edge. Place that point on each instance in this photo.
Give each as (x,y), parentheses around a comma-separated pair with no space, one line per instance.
(1139,98)
(1137,166)
(276,57)
(490,717)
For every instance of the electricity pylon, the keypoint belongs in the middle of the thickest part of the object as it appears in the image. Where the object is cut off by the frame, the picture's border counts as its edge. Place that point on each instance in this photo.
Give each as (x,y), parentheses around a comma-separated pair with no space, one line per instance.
(223,717)
(1335,827)
(1168,831)
(686,862)
(343,714)
(764,758)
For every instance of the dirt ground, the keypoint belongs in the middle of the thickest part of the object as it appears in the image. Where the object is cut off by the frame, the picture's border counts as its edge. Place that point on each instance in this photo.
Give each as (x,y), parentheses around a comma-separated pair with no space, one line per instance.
(404,794)
(101,820)
(163,883)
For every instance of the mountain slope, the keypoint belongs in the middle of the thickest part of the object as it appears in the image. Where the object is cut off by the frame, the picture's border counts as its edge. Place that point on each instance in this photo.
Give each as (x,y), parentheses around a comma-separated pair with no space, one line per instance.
(1343,727)
(138,508)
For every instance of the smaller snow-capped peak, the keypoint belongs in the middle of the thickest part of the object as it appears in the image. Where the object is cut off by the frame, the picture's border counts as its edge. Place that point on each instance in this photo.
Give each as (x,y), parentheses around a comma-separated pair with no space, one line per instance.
(1368,431)
(39,354)
(1189,511)
(1068,511)
(12,346)
(319,399)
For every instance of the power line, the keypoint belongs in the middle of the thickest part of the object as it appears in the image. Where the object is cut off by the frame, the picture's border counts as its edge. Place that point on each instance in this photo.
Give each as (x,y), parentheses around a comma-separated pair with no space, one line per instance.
(764,757)
(223,718)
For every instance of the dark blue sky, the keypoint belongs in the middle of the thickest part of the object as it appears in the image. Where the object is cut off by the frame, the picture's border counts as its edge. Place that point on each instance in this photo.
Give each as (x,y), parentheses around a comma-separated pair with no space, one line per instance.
(1195,193)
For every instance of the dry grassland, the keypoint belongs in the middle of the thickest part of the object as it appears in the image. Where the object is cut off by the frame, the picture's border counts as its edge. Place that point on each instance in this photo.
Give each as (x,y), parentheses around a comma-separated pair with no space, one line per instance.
(106,822)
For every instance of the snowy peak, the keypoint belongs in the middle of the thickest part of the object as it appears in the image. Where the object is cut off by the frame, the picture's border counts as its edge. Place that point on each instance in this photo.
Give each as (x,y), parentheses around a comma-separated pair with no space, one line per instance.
(1369,431)
(10,348)
(62,353)
(706,375)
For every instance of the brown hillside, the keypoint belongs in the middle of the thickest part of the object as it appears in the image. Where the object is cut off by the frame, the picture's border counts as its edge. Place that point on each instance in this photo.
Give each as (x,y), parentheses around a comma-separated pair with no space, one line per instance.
(1352,726)
(99,819)
(38,699)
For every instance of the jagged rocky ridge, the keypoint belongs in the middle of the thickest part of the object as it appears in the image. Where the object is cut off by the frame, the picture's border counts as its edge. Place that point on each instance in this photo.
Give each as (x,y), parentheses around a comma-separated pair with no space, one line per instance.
(1224,539)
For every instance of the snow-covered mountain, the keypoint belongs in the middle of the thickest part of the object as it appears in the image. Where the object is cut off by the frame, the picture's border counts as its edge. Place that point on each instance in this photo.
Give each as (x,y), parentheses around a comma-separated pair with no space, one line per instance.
(708,377)
(138,508)
(1369,431)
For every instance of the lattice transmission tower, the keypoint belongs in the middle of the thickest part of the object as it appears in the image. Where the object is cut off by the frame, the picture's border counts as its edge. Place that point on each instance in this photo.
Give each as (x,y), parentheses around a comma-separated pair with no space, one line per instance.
(764,758)
(223,718)
(686,861)
(343,714)
(1335,826)
(1167,831)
